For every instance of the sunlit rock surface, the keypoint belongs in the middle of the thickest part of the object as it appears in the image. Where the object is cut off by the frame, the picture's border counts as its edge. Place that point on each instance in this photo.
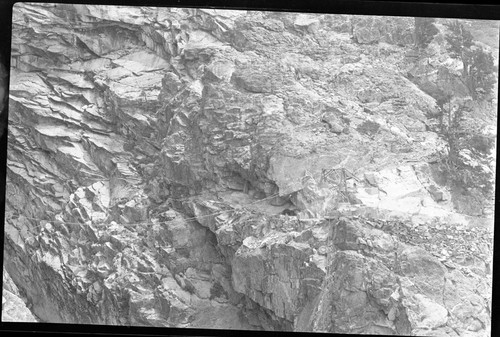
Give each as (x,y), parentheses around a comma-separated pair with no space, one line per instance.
(233,170)
(13,307)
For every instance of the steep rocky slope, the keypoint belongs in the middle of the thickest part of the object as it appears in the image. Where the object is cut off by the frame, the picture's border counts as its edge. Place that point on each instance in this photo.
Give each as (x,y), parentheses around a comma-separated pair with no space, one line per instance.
(236,170)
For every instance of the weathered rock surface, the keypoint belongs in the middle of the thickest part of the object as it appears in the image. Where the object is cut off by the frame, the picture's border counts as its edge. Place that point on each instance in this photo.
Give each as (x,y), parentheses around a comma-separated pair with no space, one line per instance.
(378,284)
(13,307)
(236,170)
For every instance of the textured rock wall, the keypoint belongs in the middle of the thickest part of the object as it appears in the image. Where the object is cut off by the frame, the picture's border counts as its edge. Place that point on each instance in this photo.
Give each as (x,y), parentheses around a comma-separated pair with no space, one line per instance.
(188,168)
(13,307)
(378,284)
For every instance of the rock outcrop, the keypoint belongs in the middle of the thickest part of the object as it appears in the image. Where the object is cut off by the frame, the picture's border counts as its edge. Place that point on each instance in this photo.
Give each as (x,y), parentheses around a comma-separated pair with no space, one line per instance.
(13,307)
(234,170)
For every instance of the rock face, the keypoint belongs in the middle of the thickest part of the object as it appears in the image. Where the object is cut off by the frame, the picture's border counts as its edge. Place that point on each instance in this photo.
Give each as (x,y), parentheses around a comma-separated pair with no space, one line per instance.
(13,307)
(235,170)
(380,285)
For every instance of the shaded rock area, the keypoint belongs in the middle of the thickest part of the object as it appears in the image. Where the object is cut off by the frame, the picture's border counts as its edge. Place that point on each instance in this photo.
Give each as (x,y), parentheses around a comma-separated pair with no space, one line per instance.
(233,170)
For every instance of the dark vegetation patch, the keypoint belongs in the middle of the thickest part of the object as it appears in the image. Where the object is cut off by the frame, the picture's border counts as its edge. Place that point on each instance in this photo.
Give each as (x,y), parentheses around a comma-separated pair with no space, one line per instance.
(368,128)
(481,143)
(217,291)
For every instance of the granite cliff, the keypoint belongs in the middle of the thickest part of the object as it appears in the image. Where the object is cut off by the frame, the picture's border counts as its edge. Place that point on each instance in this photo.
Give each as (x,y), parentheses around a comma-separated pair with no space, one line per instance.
(237,170)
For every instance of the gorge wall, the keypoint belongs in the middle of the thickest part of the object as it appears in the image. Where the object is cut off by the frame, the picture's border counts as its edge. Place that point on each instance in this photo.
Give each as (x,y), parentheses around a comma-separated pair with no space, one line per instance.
(235,170)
